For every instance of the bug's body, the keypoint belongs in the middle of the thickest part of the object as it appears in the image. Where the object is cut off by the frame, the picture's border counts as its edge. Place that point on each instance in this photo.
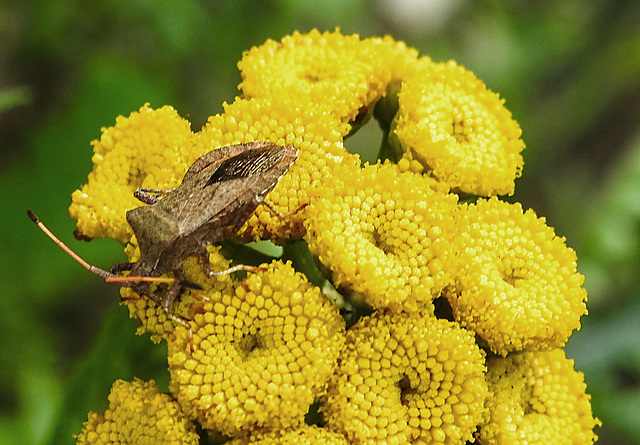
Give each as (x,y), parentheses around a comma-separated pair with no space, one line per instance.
(217,195)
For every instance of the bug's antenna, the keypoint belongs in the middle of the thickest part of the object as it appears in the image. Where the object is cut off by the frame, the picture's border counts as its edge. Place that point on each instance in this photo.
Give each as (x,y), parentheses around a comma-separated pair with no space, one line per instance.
(96,270)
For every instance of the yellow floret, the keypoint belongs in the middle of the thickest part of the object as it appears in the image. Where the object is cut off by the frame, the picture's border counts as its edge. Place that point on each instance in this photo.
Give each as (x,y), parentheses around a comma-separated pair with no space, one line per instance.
(307,435)
(262,353)
(342,74)
(139,414)
(517,286)
(407,379)
(538,398)
(382,234)
(455,127)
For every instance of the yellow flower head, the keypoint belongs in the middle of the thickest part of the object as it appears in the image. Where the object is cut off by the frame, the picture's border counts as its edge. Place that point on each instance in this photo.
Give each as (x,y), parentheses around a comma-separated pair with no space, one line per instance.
(342,74)
(139,413)
(455,127)
(380,232)
(262,353)
(537,398)
(307,435)
(407,379)
(518,287)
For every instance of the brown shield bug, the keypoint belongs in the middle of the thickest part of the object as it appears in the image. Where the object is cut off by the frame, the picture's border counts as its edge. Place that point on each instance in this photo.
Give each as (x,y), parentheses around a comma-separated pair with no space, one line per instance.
(217,195)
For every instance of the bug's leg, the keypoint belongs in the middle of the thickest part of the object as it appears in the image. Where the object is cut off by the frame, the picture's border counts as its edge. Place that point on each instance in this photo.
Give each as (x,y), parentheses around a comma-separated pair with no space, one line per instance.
(174,290)
(233,269)
(149,196)
(167,310)
(280,214)
(168,300)
(206,265)
(182,321)
(132,298)
(121,267)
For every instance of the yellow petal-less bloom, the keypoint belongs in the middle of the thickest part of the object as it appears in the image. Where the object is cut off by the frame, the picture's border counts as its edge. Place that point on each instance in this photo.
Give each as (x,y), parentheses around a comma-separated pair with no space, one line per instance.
(147,149)
(538,398)
(340,73)
(407,378)
(455,127)
(518,287)
(308,435)
(380,232)
(139,413)
(262,354)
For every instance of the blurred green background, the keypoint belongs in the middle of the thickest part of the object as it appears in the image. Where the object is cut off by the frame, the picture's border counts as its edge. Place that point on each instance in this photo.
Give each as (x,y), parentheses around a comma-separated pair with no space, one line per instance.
(569,71)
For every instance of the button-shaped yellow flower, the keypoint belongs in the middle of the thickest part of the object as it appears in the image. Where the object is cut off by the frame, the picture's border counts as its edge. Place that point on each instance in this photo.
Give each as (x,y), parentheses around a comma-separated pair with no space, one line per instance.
(455,127)
(407,378)
(383,234)
(517,285)
(537,398)
(340,73)
(139,414)
(261,354)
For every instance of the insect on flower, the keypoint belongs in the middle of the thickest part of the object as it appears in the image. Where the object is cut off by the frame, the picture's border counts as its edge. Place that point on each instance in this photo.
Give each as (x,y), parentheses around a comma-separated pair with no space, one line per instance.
(217,195)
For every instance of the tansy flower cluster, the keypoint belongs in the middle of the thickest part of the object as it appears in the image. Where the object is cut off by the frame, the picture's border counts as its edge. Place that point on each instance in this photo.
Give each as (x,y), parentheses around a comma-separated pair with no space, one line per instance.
(411,304)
